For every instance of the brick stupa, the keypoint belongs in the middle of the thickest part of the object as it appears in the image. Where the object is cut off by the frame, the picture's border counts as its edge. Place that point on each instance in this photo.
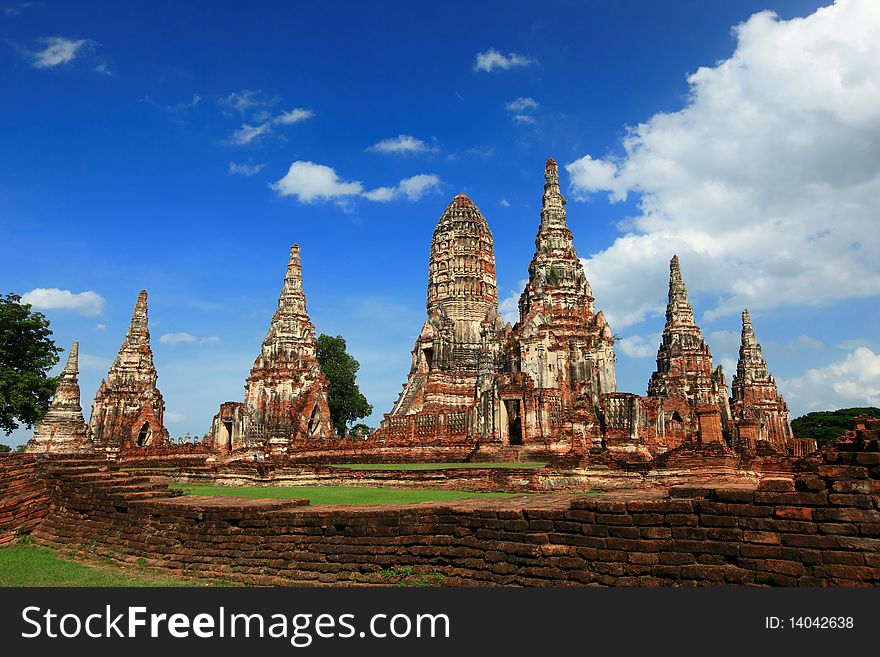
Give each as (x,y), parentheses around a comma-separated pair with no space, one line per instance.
(684,369)
(63,429)
(128,409)
(759,410)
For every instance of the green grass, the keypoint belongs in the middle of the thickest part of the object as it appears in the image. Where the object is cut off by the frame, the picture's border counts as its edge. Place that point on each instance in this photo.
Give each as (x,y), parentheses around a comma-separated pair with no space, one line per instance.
(338,494)
(29,565)
(435,466)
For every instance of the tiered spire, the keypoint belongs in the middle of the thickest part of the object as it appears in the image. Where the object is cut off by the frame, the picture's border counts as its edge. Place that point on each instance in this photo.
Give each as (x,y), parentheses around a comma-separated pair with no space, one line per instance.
(556,275)
(63,428)
(756,400)
(286,392)
(291,332)
(684,362)
(128,409)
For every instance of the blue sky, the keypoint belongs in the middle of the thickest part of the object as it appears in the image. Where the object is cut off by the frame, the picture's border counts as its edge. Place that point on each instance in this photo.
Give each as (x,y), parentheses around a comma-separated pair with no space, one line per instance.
(182,149)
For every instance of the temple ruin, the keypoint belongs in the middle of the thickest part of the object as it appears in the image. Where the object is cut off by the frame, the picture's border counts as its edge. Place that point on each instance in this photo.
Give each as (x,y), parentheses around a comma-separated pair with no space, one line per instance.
(544,388)
(63,429)
(285,398)
(128,409)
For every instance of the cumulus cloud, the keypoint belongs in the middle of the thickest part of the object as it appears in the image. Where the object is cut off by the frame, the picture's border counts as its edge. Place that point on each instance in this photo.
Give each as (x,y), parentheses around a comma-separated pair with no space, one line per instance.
(247,134)
(638,346)
(492,59)
(245,169)
(309,182)
(86,303)
(412,188)
(295,115)
(853,381)
(400,145)
(187,338)
(765,183)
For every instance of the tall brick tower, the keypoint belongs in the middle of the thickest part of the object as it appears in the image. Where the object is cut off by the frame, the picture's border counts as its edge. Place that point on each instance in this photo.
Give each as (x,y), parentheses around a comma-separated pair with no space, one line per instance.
(128,409)
(286,392)
(457,351)
(684,367)
(63,429)
(759,410)
(560,342)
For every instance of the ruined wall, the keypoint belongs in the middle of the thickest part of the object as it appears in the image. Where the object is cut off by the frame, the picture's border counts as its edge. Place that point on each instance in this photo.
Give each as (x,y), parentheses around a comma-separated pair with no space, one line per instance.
(822,529)
(24,500)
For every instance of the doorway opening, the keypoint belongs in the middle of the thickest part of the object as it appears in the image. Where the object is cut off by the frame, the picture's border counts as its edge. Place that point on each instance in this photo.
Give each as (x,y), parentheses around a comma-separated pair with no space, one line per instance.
(144,434)
(514,422)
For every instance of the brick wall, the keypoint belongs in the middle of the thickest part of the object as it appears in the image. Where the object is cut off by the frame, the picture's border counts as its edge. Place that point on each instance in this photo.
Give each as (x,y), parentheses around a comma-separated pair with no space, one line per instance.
(24,500)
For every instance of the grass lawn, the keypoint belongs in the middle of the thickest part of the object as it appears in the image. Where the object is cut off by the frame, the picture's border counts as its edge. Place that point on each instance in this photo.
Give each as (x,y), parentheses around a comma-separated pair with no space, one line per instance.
(29,565)
(339,494)
(434,466)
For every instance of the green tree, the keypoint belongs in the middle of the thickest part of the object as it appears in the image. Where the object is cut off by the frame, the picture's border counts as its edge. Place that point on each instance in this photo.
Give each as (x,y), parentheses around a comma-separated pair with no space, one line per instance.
(827,426)
(343,395)
(5,448)
(27,353)
(361,430)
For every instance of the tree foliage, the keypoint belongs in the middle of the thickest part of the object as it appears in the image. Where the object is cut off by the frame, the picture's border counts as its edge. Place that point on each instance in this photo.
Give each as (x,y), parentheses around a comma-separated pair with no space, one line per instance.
(27,353)
(343,395)
(826,426)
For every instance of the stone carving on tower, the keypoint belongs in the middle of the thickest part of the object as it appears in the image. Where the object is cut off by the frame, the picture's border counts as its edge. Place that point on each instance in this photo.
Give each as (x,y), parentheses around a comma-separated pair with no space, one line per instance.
(685,373)
(760,412)
(63,429)
(564,346)
(457,352)
(128,409)
(285,397)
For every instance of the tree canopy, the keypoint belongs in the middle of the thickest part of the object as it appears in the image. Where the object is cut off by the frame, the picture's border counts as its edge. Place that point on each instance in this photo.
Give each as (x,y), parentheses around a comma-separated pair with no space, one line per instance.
(826,426)
(343,395)
(27,353)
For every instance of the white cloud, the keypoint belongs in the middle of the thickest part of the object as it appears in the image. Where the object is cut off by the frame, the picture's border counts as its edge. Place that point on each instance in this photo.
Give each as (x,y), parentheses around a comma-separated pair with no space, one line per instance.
(295,115)
(504,203)
(187,338)
(523,104)
(637,346)
(401,144)
(853,381)
(58,50)
(86,303)
(412,188)
(765,183)
(248,133)
(508,307)
(173,417)
(243,102)
(491,59)
(245,169)
(100,327)
(313,182)
(309,182)
(523,118)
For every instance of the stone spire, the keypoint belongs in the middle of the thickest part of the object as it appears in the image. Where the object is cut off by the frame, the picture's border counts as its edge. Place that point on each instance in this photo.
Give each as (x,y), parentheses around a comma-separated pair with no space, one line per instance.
(128,409)
(679,313)
(286,392)
(556,275)
(286,332)
(63,428)
(756,400)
